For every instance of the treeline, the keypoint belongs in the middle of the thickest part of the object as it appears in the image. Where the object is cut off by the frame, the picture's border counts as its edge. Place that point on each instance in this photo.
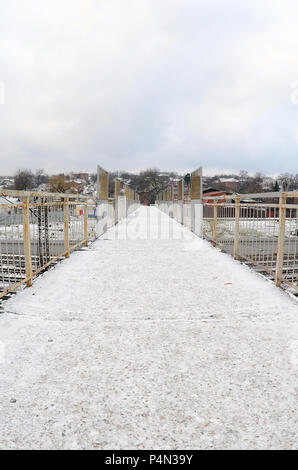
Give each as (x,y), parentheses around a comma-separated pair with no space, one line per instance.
(25,180)
(254,183)
(150,182)
(147,183)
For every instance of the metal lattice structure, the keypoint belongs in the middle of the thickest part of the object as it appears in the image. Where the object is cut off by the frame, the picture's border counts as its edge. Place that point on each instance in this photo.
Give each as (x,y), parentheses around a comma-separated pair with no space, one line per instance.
(260,229)
(37,230)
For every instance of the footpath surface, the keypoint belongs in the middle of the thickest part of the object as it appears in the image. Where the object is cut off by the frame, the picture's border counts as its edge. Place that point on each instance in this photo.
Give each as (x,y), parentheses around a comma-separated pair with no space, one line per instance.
(149,339)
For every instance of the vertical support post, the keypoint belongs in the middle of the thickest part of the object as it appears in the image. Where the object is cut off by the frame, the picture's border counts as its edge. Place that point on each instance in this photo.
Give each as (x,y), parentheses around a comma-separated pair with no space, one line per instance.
(237,223)
(197,202)
(27,241)
(102,201)
(281,239)
(66,226)
(214,224)
(86,223)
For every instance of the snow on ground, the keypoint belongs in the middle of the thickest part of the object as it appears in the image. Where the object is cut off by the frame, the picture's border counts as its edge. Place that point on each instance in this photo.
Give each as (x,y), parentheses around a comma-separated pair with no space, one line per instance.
(149,339)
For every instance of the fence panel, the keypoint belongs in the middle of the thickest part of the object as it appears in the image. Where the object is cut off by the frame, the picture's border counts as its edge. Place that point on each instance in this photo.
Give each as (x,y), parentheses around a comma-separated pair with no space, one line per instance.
(260,232)
(38,229)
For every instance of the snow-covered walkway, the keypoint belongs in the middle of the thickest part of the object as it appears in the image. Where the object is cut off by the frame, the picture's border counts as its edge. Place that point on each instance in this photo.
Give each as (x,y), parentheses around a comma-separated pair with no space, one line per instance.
(150,338)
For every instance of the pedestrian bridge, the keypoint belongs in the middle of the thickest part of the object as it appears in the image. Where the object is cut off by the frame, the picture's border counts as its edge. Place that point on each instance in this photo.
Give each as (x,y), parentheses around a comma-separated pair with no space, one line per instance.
(39,229)
(149,338)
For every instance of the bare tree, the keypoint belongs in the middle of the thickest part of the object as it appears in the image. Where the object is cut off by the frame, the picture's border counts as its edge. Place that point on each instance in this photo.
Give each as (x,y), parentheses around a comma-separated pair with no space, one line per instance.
(288,182)
(40,177)
(23,180)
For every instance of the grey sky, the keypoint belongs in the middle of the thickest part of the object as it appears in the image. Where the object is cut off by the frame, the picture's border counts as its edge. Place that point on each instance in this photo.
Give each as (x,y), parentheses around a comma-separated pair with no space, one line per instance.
(131,84)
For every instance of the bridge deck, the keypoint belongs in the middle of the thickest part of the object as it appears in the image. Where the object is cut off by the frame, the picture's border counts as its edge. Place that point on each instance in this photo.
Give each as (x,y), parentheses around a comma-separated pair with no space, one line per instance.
(150,338)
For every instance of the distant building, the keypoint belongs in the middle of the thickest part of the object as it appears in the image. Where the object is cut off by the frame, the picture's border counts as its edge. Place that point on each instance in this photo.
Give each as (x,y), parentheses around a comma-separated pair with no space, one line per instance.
(210,195)
(77,185)
(229,183)
(80,176)
(6,182)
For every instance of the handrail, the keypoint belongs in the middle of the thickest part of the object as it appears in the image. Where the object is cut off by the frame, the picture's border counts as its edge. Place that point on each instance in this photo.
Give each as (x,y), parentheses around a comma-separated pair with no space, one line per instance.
(18,194)
(253,195)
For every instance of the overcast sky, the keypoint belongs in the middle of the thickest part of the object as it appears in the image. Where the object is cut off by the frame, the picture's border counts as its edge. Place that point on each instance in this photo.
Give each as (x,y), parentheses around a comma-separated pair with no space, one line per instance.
(131,84)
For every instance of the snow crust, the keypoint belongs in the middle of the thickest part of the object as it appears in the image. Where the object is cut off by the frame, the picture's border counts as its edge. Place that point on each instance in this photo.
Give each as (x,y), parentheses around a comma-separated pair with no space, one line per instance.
(149,339)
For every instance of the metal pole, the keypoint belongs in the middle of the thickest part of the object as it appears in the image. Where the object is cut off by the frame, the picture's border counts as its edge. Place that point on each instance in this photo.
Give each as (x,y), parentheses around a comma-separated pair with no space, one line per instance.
(66,226)
(27,241)
(86,224)
(281,239)
(237,221)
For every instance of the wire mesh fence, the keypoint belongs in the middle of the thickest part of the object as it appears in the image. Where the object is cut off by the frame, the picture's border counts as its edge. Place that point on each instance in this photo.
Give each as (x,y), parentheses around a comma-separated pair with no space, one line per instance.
(259,231)
(38,229)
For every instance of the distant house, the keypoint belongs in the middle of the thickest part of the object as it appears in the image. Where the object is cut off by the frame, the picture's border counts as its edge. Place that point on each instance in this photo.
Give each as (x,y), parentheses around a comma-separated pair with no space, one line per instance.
(247,210)
(76,185)
(6,182)
(210,195)
(80,176)
(229,183)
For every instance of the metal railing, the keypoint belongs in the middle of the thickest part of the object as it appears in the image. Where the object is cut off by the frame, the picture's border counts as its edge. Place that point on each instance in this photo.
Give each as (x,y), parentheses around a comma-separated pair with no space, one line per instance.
(38,229)
(261,229)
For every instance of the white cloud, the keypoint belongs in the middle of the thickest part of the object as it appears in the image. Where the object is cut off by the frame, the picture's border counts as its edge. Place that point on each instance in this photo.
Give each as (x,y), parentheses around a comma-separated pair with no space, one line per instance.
(148,83)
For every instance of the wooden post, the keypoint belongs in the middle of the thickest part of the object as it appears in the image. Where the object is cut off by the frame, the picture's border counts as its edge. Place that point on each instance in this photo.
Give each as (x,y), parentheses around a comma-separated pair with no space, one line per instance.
(237,223)
(27,241)
(66,226)
(214,224)
(86,223)
(281,239)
